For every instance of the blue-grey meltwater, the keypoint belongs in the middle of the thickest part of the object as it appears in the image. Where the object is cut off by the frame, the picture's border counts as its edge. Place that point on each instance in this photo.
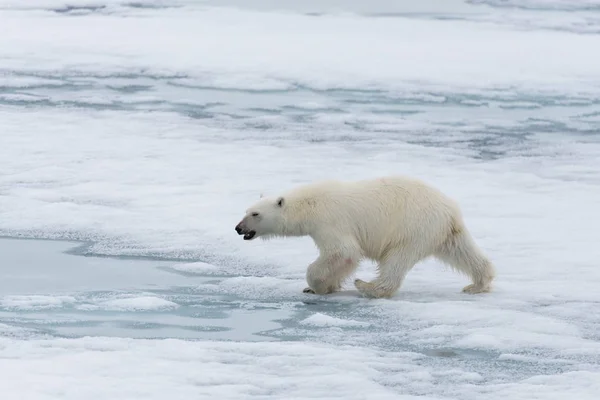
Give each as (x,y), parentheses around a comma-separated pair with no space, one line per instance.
(48,290)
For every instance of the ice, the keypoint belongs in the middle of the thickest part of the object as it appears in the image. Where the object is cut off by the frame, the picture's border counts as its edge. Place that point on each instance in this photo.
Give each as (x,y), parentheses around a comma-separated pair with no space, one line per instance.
(48,276)
(427,341)
(35,302)
(22,82)
(139,132)
(96,367)
(319,319)
(101,367)
(196,268)
(79,296)
(143,303)
(253,46)
(544,4)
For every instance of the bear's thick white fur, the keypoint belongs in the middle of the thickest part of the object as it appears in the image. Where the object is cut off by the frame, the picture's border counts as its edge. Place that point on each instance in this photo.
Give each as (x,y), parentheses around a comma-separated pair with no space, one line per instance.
(396,221)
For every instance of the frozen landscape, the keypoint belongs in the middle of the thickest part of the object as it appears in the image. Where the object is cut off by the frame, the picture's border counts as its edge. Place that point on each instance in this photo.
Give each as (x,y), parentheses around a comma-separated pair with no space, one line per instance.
(134,134)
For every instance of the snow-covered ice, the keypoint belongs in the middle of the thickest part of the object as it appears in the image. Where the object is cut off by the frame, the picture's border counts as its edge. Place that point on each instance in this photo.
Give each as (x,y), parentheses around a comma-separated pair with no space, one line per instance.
(137,132)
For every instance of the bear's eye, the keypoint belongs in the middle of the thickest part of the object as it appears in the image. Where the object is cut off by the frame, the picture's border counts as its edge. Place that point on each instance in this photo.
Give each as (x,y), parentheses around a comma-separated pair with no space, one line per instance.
(254,214)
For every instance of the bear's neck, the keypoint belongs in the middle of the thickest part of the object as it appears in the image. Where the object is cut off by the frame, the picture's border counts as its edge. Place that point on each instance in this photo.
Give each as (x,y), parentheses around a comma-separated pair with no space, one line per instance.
(298,226)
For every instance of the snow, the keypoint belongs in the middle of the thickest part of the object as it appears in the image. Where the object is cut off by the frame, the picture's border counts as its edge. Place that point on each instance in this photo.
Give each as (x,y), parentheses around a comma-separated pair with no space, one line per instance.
(319,319)
(196,268)
(220,44)
(544,4)
(126,368)
(141,131)
(95,367)
(143,303)
(35,302)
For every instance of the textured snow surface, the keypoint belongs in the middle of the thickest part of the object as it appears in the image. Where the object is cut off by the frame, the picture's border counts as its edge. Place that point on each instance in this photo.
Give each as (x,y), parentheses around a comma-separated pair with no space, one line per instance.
(132,369)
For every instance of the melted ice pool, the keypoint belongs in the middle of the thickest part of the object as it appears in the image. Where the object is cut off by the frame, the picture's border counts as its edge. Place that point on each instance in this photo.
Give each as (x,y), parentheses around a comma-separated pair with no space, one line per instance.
(47,290)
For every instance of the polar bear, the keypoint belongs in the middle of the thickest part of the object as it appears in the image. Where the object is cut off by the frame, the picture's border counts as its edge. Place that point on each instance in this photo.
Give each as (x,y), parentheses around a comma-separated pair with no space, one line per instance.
(395,221)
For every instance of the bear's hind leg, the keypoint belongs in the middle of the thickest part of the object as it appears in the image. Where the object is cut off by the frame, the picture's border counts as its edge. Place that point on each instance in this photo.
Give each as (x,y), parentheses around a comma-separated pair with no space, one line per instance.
(462,253)
(391,275)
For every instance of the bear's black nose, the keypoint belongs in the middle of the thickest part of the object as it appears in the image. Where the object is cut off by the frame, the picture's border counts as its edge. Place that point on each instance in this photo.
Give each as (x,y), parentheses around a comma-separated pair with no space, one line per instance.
(238,229)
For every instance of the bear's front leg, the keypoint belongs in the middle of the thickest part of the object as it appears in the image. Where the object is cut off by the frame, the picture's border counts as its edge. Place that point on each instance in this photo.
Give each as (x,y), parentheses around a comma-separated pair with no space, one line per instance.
(326,274)
(321,277)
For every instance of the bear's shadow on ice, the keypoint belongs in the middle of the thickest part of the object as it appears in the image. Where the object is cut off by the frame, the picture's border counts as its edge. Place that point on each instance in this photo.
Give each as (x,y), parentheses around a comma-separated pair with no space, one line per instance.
(352,296)
(347,296)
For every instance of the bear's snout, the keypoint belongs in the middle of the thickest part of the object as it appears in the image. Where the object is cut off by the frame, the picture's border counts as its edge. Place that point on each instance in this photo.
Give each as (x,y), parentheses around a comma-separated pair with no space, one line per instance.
(238,228)
(241,229)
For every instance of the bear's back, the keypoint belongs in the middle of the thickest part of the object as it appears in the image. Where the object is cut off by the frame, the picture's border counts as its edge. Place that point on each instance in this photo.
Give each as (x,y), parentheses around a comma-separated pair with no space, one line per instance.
(379,213)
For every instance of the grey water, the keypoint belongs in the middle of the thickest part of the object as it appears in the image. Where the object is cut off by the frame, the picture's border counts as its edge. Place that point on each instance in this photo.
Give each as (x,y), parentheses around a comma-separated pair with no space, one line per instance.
(45,291)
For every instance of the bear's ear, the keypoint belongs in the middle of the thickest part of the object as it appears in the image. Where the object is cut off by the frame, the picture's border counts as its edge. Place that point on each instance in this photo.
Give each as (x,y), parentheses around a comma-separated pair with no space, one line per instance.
(262,195)
(280,202)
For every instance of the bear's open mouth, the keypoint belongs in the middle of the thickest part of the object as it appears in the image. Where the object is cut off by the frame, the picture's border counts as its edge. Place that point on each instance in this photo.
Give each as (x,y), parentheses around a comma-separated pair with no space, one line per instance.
(249,235)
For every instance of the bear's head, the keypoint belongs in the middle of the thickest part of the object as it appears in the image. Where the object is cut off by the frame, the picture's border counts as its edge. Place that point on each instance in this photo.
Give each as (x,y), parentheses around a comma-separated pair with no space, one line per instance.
(263,219)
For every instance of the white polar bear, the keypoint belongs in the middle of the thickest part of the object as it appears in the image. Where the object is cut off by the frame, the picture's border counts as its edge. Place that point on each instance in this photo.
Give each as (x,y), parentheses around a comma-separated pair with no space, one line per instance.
(395,221)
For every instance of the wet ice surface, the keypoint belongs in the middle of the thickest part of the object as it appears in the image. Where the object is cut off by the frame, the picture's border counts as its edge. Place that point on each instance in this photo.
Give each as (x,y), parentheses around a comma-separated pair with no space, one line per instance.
(68,317)
(142,130)
(46,290)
